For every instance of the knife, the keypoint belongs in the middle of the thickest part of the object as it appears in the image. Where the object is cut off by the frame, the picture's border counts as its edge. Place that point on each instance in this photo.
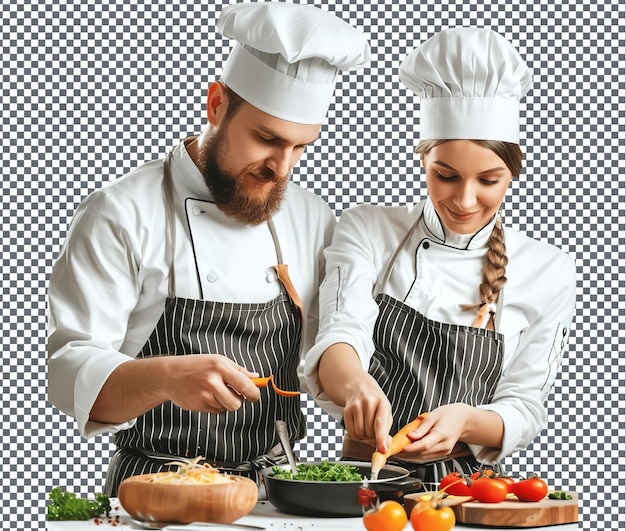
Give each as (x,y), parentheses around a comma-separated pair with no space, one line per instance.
(191,526)
(205,525)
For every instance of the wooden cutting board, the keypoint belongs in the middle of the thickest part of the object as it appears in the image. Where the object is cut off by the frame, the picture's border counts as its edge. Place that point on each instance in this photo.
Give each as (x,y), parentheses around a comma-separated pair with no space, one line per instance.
(514,513)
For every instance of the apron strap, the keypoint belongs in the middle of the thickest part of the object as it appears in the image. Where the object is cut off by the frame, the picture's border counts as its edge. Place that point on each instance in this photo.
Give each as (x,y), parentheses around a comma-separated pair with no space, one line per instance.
(492,324)
(282,272)
(283,275)
(274,233)
(396,254)
(168,198)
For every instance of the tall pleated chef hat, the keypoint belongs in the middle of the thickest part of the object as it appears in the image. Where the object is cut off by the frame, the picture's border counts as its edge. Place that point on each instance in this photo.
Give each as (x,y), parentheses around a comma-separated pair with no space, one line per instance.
(288,56)
(470,81)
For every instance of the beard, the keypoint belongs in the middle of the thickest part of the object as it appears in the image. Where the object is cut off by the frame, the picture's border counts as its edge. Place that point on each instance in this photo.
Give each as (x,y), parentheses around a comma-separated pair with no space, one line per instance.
(245,204)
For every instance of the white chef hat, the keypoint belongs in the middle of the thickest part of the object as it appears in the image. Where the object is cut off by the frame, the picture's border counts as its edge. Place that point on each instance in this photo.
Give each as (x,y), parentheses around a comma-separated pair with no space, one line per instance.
(288,56)
(470,81)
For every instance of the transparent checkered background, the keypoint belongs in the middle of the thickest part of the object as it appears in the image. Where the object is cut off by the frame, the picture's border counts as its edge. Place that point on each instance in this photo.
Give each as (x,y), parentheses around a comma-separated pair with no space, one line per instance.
(91,91)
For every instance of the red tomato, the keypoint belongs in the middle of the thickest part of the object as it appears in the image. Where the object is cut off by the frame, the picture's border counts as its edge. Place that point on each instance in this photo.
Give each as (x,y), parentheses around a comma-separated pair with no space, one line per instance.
(531,490)
(488,490)
(367,498)
(426,516)
(509,482)
(388,516)
(460,488)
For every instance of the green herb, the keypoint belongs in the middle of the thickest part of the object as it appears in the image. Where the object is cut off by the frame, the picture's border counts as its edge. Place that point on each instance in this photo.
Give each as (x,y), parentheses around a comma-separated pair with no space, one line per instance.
(559,495)
(66,506)
(325,471)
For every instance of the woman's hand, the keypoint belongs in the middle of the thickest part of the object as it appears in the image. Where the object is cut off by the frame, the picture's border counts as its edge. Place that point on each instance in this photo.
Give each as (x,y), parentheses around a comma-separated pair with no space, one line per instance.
(367,413)
(439,432)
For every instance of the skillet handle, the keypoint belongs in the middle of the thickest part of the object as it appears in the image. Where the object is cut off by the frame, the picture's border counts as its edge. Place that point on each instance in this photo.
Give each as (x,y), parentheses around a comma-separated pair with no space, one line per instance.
(408,484)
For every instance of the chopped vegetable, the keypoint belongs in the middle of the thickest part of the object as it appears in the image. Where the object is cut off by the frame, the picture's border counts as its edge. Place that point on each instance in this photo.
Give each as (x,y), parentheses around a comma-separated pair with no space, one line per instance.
(560,495)
(191,472)
(67,506)
(326,471)
(264,382)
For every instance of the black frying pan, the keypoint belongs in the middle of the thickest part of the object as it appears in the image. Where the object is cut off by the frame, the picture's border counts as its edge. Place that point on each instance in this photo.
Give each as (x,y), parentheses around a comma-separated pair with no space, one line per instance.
(335,498)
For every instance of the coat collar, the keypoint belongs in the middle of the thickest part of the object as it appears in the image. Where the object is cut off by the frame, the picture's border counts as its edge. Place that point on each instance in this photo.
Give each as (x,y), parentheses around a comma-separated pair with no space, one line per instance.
(187,177)
(435,227)
(190,184)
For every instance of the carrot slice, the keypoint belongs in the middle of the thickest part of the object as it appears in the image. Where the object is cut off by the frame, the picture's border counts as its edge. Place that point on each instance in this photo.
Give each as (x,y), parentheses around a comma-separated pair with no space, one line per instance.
(284,393)
(264,381)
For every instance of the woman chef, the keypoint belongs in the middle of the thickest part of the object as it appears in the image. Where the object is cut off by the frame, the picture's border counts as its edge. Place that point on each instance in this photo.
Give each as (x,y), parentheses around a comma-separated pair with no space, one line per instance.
(172,288)
(437,307)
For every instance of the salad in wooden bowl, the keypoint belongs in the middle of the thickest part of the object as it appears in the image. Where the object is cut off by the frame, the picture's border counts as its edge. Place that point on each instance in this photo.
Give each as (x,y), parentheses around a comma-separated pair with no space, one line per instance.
(193,493)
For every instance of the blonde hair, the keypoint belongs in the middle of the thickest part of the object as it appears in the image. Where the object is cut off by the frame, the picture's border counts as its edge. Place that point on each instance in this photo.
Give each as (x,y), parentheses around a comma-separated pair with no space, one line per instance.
(495,260)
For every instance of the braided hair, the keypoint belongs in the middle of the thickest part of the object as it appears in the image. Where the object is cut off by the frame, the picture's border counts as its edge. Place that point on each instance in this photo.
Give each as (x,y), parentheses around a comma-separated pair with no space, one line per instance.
(495,260)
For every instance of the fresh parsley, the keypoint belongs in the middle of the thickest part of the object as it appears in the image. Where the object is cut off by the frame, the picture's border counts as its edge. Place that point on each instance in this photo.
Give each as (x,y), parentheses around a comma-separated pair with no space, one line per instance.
(560,495)
(325,471)
(67,506)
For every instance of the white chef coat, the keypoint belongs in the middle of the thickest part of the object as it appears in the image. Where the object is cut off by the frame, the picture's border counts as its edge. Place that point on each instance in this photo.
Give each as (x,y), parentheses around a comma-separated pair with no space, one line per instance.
(437,272)
(109,284)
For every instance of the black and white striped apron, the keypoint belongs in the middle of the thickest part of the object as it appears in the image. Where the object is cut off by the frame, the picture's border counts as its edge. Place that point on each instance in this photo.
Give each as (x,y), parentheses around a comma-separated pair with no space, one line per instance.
(422,364)
(263,337)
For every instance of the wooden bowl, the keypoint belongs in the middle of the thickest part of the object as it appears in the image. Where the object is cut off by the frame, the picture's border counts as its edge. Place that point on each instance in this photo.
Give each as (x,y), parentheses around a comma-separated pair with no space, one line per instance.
(220,503)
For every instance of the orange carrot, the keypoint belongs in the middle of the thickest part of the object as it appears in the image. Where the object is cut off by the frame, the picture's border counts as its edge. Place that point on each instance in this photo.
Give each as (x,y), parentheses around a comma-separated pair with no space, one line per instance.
(284,393)
(264,381)
(398,442)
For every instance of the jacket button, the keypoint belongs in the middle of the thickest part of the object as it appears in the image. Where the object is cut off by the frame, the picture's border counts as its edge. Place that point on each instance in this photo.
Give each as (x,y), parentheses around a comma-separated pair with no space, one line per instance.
(212,277)
(196,211)
(426,245)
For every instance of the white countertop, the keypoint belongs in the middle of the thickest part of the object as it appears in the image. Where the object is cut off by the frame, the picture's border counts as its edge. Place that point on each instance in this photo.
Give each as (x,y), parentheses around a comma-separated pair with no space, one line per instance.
(265,516)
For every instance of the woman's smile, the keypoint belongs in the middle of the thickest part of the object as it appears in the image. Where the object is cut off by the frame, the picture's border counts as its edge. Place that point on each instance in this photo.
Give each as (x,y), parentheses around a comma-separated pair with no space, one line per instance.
(467,183)
(461,216)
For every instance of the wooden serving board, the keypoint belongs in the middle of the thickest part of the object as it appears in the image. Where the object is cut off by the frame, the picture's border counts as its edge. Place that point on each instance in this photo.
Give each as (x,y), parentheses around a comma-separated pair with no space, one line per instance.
(514,513)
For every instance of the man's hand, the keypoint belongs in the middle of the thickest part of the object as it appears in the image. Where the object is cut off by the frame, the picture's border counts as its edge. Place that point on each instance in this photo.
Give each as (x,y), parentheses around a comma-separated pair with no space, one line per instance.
(209,382)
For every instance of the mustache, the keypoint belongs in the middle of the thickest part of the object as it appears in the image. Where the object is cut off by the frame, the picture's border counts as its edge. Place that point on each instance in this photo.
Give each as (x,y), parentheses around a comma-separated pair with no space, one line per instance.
(264,173)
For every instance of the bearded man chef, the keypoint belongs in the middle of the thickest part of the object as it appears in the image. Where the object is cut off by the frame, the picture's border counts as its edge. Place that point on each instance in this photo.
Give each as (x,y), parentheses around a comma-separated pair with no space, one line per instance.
(172,287)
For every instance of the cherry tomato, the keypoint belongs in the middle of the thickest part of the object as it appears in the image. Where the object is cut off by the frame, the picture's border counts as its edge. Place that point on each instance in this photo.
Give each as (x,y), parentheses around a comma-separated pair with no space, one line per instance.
(460,488)
(367,498)
(509,482)
(488,490)
(531,490)
(429,516)
(388,516)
